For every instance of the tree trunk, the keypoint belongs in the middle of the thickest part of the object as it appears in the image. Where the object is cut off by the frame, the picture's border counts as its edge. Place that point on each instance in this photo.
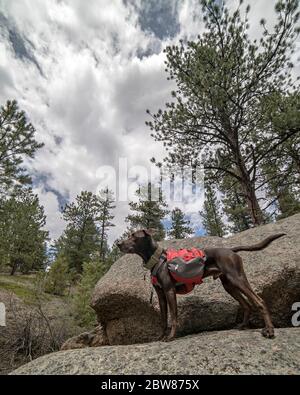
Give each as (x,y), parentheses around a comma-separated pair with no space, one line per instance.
(102,240)
(253,206)
(14,267)
(248,187)
(244,218)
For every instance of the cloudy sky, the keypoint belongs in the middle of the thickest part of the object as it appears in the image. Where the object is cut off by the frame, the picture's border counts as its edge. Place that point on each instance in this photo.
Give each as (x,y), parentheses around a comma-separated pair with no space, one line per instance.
(85,73)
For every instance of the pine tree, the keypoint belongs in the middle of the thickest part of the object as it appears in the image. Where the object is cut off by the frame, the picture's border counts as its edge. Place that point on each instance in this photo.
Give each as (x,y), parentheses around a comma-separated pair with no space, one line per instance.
(17,141)
(235,206)
(81,237)
(22,235)
(282,112)
(106,205)
(89,219)
(58,277)
(211,214)
(288,204)
(91,273)
(281,175)
(147,213)
(222,80)
(180,228)
(282,190)
(112,256)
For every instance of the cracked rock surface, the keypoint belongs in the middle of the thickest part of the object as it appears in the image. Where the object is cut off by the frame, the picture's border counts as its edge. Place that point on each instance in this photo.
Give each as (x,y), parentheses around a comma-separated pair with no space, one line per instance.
(222,352)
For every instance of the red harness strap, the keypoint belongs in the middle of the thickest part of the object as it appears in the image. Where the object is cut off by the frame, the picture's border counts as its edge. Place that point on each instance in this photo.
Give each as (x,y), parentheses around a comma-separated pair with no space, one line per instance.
(185,254)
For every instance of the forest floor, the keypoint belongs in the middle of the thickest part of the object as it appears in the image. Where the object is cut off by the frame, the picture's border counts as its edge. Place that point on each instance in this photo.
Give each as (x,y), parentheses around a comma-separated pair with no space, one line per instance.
(36,322)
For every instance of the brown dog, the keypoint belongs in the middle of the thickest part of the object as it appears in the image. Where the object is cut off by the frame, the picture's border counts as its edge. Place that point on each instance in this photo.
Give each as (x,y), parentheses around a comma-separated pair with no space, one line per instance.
(221,263)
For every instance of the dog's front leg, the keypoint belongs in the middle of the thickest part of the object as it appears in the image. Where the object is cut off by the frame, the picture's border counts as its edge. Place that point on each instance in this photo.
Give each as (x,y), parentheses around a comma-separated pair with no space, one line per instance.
(162,300)
(172,304)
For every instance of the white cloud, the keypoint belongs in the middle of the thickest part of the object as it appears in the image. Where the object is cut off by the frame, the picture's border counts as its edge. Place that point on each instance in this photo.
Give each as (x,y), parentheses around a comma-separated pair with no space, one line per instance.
(190,20)
(55,223)
(93,92)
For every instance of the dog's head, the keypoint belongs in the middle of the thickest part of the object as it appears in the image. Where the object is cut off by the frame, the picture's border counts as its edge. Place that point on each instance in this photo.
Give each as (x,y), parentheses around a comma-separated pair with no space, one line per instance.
(138,242)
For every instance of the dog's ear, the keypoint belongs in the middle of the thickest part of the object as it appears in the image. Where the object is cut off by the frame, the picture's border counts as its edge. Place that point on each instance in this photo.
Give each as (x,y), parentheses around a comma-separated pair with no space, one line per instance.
(150,232)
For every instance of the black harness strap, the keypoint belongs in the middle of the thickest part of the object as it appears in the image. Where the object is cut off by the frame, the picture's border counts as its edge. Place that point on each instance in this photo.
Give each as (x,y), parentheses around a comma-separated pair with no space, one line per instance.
(155,270)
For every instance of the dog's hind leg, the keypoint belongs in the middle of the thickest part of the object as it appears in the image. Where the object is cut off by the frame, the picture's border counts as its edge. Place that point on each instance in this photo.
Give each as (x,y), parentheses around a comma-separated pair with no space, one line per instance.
(268,330)
(162,300)
(237,295)
(243,285)
(234,272)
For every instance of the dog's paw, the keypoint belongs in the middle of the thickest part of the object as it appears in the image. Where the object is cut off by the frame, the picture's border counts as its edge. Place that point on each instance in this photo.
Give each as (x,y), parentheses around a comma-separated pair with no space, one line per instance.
(268,333)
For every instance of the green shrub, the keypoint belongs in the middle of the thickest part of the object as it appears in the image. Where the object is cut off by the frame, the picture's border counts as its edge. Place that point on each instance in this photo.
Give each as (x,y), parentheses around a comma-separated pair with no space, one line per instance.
(92,272)
(58,278)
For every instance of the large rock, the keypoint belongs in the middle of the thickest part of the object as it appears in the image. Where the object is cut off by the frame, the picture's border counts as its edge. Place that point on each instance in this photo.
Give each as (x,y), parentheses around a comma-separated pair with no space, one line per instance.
(122,297)
(224,352)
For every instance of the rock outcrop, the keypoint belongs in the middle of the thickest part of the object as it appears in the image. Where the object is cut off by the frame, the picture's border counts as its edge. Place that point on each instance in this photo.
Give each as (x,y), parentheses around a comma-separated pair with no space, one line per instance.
(223,352)
(122,297)
(94,338)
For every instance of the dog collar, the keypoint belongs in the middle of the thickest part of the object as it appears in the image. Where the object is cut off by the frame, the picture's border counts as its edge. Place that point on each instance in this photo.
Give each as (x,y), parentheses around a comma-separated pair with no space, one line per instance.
(154,260)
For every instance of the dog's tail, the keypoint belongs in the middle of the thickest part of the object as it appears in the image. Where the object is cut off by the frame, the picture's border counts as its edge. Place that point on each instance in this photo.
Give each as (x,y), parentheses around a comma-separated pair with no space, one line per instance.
(259,246)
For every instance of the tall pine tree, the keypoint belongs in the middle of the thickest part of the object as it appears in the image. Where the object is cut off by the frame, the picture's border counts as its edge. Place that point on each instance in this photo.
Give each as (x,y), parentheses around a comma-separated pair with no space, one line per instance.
(180,227)
(211,214)
(17,140)
(147,212)
(81,237)
(106,206)
(85,237)
(222,79)
(22,234)
(281,175)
